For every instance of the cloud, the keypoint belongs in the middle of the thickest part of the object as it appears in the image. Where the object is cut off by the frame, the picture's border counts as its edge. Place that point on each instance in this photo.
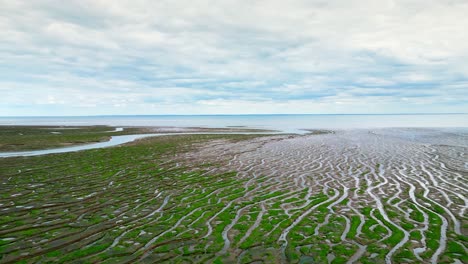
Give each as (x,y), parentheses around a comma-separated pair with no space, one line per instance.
(208,57)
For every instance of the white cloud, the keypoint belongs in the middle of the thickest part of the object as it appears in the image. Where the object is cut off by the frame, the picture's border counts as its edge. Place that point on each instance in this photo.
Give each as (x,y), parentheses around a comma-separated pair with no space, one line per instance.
(221,56)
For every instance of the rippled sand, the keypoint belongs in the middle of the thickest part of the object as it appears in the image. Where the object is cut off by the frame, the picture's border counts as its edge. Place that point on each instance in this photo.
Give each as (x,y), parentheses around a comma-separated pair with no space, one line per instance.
(397,173)
(354,196)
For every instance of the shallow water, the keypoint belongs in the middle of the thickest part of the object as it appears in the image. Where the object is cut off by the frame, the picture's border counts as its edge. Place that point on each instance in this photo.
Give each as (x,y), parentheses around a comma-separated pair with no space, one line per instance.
(114,141)
(286,123)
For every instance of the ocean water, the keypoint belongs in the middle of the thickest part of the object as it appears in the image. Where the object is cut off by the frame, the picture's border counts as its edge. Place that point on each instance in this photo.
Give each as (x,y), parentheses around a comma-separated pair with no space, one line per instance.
(284,123)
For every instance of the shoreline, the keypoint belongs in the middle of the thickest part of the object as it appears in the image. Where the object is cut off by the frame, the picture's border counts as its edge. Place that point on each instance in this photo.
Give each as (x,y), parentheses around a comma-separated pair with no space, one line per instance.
(123,138)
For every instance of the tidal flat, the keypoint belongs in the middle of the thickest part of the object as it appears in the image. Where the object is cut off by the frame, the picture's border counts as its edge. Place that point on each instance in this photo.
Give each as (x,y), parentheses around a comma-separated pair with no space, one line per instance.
(345,196)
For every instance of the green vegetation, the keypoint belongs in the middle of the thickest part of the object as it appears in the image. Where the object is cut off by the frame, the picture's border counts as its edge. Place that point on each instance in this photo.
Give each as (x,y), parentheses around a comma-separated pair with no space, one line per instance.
(146,201)
(19,138)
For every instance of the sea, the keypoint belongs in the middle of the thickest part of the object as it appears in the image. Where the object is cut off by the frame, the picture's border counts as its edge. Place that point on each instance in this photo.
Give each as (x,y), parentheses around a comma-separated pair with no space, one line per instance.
(293,123)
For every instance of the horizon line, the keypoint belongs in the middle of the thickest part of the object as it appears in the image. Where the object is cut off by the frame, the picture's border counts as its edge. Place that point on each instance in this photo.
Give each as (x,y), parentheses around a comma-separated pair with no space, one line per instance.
(263,114)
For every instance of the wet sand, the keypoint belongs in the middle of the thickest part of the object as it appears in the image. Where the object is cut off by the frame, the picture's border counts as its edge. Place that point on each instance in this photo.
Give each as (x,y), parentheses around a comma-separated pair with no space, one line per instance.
(392,171)
(351,196)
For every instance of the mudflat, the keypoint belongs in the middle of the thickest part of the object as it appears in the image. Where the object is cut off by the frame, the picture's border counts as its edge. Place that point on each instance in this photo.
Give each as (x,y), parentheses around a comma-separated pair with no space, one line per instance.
(350,196)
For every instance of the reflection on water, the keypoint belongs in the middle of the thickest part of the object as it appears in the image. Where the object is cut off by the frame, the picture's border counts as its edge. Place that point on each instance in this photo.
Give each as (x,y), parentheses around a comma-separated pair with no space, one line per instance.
(284,123)
(114,141)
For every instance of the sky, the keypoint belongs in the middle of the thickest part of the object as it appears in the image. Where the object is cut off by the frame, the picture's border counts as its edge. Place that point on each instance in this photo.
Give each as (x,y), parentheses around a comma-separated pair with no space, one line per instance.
(107,57)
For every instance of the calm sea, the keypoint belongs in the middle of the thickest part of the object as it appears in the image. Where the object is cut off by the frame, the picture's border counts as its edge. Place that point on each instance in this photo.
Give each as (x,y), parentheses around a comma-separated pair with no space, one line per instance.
(287,123)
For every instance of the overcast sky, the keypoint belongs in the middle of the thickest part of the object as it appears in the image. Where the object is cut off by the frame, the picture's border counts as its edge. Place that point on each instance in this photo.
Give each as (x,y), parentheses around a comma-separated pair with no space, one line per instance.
(233,57)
